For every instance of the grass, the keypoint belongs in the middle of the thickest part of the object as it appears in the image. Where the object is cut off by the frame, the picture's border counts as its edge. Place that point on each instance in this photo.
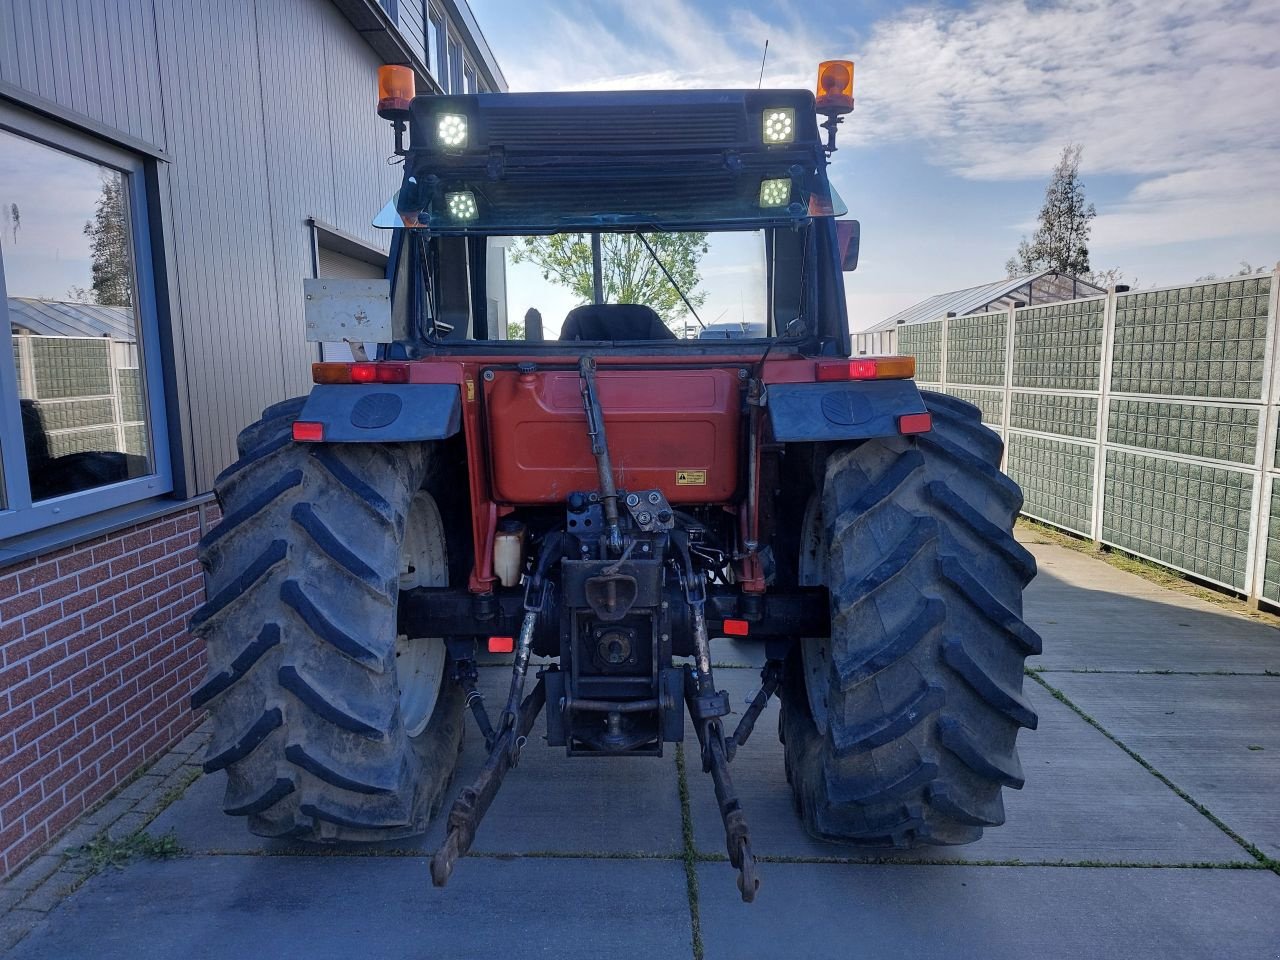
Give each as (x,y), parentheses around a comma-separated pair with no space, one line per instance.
(690,853)
(174,793)
(1146,569)
(104,851)
(1263,860)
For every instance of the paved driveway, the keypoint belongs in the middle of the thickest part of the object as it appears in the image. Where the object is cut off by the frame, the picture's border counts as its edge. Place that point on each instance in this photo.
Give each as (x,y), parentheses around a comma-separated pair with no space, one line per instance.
(1150,816)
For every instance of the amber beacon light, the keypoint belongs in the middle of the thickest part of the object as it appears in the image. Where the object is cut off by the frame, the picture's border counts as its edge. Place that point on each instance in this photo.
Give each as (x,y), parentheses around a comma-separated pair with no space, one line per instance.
(835,96)
(835,86)
(396,87)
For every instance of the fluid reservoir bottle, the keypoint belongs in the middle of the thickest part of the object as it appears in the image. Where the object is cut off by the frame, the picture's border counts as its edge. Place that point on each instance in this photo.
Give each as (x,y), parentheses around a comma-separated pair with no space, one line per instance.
(508,552)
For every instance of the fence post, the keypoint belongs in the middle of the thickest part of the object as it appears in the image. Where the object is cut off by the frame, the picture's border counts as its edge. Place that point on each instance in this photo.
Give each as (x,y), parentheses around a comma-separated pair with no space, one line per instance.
(1006,404)
(1268,420)
(942,352)
(1103,413)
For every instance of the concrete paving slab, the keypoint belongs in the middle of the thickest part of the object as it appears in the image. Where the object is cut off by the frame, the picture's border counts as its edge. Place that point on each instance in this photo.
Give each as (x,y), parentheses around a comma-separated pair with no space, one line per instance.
(1095,617)
(1085,800)
(1203,734)
(344,907)
(549,803)
(821,911)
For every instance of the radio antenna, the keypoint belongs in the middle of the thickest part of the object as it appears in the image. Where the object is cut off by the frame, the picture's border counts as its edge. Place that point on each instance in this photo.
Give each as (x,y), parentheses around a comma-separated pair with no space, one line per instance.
(762,60)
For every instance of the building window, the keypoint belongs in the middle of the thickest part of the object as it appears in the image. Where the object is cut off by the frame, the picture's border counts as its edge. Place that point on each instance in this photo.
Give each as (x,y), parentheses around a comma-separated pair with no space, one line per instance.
(455,67)
(435,45)
(80,403)
(469,78)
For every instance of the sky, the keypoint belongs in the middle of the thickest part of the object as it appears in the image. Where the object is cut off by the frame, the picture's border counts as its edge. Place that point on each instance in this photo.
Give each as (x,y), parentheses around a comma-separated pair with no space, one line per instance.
(962,111)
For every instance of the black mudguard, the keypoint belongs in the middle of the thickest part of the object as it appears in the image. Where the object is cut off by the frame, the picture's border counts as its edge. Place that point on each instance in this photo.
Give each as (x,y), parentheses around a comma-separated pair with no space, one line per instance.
(857,410)
(385,413)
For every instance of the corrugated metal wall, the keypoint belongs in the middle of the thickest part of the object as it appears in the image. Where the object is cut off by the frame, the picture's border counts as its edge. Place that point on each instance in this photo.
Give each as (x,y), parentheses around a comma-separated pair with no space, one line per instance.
(1146,420)
(96,58)
(265,109)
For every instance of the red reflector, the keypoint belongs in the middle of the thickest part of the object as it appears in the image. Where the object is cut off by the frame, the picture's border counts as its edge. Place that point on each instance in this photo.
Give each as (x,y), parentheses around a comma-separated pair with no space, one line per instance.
(501,644)
(736,628)
(364,372)
(308,431)
(915,423)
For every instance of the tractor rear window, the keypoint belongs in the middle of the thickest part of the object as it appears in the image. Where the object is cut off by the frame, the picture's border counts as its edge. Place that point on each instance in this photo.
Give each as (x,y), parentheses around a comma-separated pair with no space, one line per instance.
(698,285)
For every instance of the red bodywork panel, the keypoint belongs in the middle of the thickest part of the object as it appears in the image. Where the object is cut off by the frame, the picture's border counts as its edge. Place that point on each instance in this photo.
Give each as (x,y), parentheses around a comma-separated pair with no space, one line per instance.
(673,423)
(527,441)
(675,430)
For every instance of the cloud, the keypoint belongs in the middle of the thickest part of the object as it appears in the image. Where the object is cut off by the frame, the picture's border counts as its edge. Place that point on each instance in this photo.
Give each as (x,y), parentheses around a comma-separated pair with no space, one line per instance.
(1180,94)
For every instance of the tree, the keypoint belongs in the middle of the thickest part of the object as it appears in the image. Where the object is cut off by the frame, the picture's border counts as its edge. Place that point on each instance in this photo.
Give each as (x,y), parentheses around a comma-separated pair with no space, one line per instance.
(1061,240)
(108,233)
(629,273)
(1246,269)
(515,330)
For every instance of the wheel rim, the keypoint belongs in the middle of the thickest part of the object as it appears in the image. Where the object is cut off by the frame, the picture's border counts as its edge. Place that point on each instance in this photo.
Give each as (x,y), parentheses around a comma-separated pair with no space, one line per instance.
(420,661)
(815,652)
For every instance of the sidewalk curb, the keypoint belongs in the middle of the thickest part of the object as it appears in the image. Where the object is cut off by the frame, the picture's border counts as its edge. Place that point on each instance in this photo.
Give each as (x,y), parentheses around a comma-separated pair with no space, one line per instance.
(47,880)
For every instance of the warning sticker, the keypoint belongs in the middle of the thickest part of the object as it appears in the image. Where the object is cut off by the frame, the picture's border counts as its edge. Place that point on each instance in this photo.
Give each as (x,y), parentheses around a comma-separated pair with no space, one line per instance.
(691,478)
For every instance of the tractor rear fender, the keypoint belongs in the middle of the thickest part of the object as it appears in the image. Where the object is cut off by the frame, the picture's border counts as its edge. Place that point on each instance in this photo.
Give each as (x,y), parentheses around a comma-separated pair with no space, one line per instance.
(384,413)
(815,412)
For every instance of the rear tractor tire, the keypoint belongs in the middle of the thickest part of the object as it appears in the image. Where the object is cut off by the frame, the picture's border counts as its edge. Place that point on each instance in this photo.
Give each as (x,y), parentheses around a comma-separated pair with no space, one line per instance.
(328,724)
(900,729)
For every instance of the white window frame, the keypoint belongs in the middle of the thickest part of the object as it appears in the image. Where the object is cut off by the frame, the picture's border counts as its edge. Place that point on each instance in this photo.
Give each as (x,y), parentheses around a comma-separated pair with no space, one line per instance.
(454,65)
(19,515)
(437,57)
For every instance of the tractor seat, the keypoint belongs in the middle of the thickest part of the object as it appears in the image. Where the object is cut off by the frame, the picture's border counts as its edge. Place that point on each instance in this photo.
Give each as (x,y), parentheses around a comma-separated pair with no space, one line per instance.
(614,321)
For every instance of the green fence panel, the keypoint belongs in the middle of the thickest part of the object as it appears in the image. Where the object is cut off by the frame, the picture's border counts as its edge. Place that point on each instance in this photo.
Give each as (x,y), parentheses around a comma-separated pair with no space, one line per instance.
(1056,477)
(1067,415)
(1271,573)
(1188,515)
(924,342)
(135,439)
(131,405)
(1206,340)
(1188,429)
(82,441)
(976,349)
(77,414)
(990,402)
(70,367)
(1059,345)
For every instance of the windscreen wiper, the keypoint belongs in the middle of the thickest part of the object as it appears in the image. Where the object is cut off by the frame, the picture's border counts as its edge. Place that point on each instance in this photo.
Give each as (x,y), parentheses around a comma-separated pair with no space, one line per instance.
(670,279)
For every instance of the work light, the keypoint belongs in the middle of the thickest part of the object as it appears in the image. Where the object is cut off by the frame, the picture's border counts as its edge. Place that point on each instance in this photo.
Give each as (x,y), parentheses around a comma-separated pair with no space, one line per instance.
(461,205)
(775,193)
(451,130)
(779,125)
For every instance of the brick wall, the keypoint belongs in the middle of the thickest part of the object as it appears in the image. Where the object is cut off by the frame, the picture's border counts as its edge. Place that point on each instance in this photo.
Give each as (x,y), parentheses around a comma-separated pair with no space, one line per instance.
(96,668)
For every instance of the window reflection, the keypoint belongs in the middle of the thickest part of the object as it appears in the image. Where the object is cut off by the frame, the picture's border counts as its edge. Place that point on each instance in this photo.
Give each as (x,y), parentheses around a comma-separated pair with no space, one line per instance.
(67,254)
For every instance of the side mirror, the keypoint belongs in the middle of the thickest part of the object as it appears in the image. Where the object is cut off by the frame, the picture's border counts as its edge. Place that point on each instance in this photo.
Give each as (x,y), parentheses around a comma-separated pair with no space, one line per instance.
(848,237)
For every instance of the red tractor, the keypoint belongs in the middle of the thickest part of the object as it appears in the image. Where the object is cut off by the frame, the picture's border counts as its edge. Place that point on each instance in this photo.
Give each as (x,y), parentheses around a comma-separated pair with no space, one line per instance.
(612,500)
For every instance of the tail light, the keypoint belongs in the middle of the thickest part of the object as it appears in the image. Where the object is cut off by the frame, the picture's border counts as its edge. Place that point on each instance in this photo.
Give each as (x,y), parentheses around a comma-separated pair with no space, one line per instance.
(377,372)
(866,368)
